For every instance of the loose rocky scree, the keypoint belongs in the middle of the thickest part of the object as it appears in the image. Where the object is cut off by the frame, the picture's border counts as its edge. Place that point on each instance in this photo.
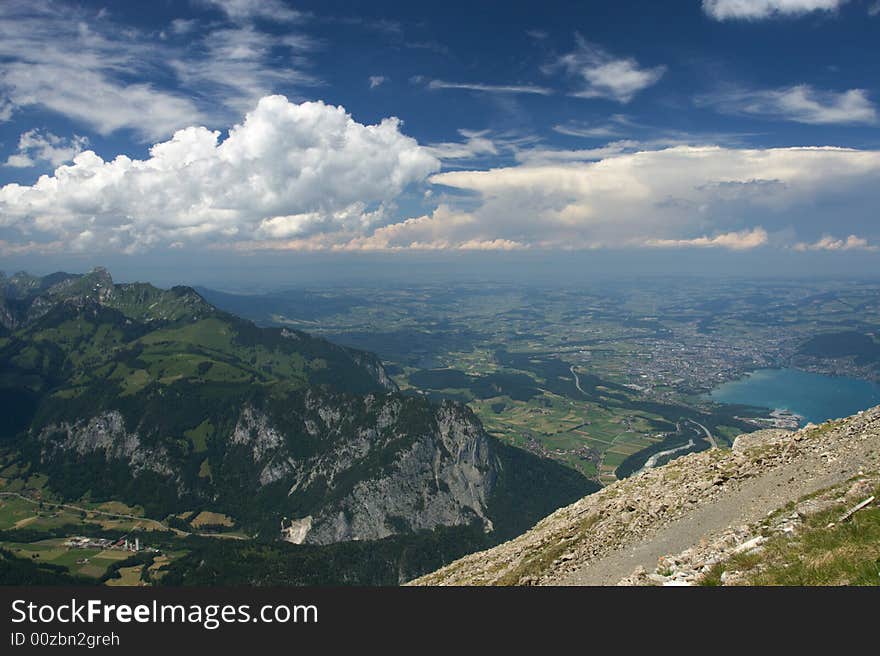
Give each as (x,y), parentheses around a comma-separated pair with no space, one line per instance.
(632,511)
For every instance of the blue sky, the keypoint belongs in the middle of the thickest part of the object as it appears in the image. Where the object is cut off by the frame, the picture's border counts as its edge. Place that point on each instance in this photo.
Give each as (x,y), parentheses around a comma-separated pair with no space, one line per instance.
(192,128)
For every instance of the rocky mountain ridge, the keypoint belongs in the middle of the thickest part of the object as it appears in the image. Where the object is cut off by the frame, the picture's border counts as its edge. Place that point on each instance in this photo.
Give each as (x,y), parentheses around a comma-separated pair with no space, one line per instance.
(24,299)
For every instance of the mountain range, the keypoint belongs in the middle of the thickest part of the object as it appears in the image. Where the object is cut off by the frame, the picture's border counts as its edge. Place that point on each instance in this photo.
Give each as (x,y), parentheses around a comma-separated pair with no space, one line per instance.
(158,399)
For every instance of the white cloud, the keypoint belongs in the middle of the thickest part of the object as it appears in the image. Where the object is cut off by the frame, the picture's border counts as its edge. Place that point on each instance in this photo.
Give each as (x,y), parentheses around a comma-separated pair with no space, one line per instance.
(491,88)
(19,161)
(801,103)
(42,146)
(589,131)
(6,110)
(477,144)
(759,9)
(92,99)
(424,233)
(239,10)
(681,196)
(481,144)
(288,170)
(183,25)
(736,241)
(377,81)
(68,60)
(828,243)
(537,156)
(308,177)
(64,60)
(10,248)
(235,65)
(604,75)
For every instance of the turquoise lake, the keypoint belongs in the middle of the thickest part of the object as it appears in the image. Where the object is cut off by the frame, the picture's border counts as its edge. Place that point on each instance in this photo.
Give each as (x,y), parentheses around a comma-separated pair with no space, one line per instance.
(815,397)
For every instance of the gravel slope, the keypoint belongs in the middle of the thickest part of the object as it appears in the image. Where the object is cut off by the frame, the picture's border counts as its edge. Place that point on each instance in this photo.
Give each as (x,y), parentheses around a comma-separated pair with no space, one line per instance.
(602,538)
(754,500)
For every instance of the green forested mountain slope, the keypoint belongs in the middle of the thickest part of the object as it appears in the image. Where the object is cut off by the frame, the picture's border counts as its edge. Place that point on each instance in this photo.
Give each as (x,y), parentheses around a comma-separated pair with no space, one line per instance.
(156,398)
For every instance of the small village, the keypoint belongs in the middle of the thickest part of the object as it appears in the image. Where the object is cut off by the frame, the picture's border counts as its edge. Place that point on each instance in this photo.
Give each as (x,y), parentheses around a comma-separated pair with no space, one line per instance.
(122,544)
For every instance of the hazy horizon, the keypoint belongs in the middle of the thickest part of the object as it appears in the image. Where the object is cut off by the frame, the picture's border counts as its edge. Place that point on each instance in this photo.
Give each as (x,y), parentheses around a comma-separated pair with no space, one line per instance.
(565,269)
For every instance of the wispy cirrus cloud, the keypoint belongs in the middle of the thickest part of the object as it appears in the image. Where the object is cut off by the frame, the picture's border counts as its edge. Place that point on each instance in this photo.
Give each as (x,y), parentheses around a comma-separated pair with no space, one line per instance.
(762,9)
(491,88)
(76,64)
(539,155)
(482,144)
(476,144)
(801,103)
(81,64)
(604,75)
(242,10)
(235,65)
(615,126)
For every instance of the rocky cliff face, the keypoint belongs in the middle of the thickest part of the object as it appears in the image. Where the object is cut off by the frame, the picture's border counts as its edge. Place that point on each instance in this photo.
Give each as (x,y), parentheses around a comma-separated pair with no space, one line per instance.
(690,513)
(104,434)
(442,475)
(350,468)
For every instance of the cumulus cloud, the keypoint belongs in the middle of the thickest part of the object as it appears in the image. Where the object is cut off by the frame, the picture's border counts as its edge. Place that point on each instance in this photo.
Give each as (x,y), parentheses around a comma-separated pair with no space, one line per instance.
(288,170)
(828,243)
(377,81)
(308,177)
(443,230)
(761,9)
(603,75)
(10,248)
(801,103)
(42,146)
(680,196)
(737,241)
